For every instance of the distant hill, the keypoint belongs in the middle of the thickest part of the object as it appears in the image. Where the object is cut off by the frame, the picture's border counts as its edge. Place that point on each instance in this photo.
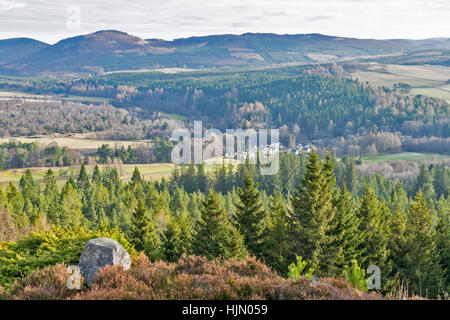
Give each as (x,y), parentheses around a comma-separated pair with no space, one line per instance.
(13,49)
(111,50)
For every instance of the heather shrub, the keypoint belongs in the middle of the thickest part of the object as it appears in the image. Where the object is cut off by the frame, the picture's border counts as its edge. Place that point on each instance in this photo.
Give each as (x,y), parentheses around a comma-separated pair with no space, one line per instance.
(200,265)
(46,284)
(341,289)
(114,283)
(192,277)
(3,294)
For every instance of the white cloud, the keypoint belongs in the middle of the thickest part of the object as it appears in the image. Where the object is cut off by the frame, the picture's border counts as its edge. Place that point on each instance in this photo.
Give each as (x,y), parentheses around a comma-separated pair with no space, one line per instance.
(47,19)
(8,5)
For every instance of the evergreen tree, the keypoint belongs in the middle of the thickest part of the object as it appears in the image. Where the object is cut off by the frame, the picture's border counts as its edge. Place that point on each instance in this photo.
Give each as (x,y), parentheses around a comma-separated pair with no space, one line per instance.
(187,228)
(189,179)
(193,206)
(202,180)
(171,244)
(423,270)
(175,178)
(50,202)
(277,245)
(373,246)
(178,202)
(102,219)
(288,173)
(71,214)
(332,251)
(71,182)
(50,188)
(345,230)
(154,200)
(399,198)
(216,236)
(424,183)
(230,178)
(16,203)
(397,246)
(276,184)
(220,179)
(143,232)
(175,243)
(96,176)
(350,175)
(313,213)
(443,246)
(29,188)
(440,181)
(250,215)
(136,179)
(83,179)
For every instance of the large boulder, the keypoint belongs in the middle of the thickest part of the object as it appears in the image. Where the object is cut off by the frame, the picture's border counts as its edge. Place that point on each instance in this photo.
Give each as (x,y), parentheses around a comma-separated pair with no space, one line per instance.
(100,252)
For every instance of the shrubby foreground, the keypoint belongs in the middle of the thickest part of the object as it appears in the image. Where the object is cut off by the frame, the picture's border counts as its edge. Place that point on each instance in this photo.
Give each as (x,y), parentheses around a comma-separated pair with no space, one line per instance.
(192,277)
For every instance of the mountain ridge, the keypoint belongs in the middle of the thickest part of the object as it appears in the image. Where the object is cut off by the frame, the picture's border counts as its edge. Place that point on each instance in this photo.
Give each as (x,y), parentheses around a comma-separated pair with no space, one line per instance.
(13,48)
(114,50)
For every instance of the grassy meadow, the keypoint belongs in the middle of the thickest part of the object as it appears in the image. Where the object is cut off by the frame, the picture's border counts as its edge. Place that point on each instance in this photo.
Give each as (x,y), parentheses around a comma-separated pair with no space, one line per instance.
(406,156)
(427,80)
(75,141)
(154,171)
(6,94)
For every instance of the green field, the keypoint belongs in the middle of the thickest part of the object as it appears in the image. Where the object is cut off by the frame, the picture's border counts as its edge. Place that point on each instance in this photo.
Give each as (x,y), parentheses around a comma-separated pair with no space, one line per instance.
(5,94)
(174,116)
(75,98)
(408,156)
(427,80)
(152,171)
(76,141)
(440,92)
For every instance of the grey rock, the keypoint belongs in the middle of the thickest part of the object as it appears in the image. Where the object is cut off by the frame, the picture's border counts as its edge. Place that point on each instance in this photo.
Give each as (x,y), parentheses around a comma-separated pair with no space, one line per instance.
(100,252)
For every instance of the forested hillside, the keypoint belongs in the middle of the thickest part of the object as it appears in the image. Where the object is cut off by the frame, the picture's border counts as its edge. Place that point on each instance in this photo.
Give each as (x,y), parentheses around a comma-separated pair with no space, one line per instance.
(315,207)
(305,103)
(13,49)
(19,117)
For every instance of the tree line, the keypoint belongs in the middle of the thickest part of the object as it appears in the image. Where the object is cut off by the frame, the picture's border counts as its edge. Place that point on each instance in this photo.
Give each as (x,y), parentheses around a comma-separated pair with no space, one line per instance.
(18,154)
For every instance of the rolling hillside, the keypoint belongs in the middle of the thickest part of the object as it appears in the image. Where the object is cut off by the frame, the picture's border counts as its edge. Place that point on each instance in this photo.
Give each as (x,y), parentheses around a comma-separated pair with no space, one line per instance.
(13,49)
(111,50)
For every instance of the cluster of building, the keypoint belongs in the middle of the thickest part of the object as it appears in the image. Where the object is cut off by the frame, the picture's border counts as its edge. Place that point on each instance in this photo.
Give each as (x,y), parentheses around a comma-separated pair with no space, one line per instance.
(302,148)
(269,150)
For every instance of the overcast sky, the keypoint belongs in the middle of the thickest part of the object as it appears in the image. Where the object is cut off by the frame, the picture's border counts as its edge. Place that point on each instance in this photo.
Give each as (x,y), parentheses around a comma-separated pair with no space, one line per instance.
(51,21)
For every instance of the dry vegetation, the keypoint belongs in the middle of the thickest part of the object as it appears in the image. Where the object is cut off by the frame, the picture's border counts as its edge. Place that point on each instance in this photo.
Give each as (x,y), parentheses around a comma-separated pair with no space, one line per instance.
(397,170)
(73,142)
(30,118)
(190,278)
(21,118)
